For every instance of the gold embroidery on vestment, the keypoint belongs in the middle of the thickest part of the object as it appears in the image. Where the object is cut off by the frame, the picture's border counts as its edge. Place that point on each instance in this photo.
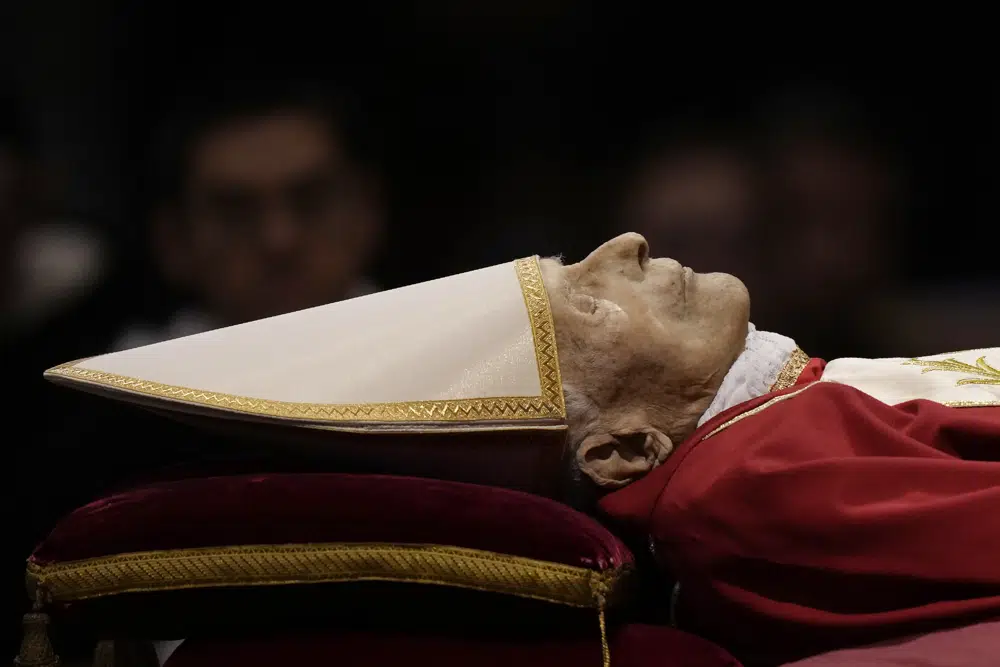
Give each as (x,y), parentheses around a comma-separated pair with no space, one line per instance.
(791,371)
(972,404)
(548,406)
(759,408)
(985,374)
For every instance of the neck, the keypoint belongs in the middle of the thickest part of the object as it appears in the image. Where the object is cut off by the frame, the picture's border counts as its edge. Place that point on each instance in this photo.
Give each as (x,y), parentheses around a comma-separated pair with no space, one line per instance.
(755,372)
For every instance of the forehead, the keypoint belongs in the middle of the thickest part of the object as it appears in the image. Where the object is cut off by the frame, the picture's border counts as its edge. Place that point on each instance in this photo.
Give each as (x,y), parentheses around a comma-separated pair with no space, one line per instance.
(265,150)
(564,280)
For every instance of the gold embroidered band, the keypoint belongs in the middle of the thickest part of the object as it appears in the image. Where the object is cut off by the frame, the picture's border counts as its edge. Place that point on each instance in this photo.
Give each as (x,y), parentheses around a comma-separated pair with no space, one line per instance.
(791,371)
(548,406)
(275,565)
(760,408)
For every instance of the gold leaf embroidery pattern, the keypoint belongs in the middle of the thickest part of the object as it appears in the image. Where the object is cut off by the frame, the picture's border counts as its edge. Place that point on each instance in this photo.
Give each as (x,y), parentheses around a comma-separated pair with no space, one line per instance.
(983,372)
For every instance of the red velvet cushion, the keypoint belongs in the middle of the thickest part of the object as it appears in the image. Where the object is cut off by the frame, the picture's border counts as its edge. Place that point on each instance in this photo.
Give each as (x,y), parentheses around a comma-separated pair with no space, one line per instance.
(127,561)
(331,507)
(631,646)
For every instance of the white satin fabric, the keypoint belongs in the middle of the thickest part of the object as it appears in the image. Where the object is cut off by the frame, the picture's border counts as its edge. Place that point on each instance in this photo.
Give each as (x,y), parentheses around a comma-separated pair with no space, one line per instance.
(465,336)
(966,378)
(477,347)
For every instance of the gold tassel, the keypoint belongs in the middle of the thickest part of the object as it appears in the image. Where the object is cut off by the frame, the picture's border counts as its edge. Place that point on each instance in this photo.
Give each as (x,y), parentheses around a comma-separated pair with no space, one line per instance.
(36,649)
(605,650)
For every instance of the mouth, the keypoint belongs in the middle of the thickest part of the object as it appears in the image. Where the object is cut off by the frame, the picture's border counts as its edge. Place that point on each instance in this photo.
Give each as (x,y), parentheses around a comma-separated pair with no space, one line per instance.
(687,275)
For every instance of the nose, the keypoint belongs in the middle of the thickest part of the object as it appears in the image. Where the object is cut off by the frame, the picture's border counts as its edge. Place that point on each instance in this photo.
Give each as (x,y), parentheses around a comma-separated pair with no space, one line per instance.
(280,233)
(629,247)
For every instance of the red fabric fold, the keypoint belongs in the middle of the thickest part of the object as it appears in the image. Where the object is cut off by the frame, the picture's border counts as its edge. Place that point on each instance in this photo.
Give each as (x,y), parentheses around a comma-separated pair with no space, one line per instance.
(827,520)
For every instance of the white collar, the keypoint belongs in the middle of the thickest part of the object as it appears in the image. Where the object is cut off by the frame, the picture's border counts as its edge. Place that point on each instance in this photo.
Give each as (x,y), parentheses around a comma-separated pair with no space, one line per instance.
(755,371)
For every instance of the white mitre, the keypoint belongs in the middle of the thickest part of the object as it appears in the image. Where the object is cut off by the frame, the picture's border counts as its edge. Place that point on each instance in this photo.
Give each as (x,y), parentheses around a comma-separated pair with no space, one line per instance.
(473,352)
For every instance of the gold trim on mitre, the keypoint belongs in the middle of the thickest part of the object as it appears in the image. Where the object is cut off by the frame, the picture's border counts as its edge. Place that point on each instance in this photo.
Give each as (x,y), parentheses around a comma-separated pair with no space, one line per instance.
(548,407)
(289,564)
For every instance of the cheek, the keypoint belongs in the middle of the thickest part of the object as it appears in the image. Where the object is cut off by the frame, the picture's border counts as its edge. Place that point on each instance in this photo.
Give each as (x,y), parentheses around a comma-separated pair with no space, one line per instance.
(735,315)
(585,349)
(216,253)
(682,354)
(614,326)
(327,260)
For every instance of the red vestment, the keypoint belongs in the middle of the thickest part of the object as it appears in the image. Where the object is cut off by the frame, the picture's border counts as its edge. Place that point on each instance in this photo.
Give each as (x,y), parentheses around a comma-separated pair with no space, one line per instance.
(826,520)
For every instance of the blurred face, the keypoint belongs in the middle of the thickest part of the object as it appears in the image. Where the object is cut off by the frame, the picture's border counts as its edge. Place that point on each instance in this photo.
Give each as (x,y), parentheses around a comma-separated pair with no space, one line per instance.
(646,342)
(701,205)
(277,218)
(837,202)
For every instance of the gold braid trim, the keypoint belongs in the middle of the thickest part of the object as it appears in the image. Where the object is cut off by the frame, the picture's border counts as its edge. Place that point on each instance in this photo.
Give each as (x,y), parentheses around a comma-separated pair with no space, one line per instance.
(760,408)
(276,565)
(548,406)
(543,330)
(972,404)
(791,371)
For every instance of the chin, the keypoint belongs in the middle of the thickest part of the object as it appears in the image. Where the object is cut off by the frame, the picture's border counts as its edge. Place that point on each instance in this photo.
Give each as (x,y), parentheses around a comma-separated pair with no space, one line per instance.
(727,300)
(740,292)
(727,287)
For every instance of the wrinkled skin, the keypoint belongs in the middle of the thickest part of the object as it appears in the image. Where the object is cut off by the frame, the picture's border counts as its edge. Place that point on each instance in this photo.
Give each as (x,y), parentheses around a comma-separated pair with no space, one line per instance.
(643,345)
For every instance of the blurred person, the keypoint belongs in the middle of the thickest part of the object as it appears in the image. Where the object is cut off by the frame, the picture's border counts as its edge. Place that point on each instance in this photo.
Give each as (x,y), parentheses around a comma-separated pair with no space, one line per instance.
(804,201)
(835,196)
(47,263)
(694,191)
(264,200)
(947,315)
(268,203)
(51,266)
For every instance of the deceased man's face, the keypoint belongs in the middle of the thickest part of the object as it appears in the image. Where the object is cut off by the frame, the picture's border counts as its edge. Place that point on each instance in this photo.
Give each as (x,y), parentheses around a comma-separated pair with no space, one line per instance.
(643,346)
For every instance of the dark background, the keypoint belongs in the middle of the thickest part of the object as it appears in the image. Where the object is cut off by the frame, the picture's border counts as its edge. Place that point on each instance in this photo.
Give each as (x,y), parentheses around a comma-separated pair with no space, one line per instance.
(499,113)
(507,128)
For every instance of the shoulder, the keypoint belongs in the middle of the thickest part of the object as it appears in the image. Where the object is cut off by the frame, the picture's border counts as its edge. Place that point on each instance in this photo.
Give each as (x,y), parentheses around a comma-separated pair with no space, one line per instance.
(804,407)
(774,425)
(784,432)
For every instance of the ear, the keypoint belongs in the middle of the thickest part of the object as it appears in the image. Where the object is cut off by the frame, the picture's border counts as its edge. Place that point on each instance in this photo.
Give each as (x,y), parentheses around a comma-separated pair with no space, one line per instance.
(613,460)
